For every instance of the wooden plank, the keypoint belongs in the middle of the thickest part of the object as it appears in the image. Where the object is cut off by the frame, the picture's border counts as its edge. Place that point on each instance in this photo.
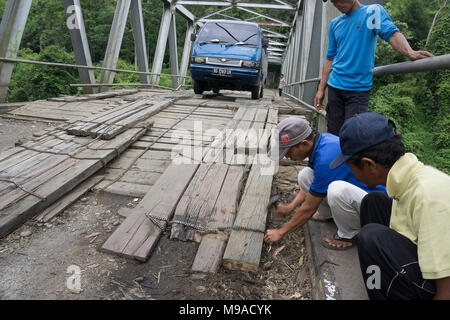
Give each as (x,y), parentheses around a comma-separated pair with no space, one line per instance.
(76,172)
(124,188)
(210,252)
(108,117)
(63,203)
(243,251)
(197,203)
(133,176)
(131,120)
(137,235)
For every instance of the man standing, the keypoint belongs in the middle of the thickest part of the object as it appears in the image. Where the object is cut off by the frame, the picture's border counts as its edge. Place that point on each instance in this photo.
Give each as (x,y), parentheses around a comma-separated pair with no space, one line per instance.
(405,237)
(347,70)
(333,194)
(282,84)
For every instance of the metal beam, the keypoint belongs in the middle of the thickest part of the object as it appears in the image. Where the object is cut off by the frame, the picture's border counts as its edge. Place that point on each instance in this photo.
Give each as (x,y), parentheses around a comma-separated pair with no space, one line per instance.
(214,13)
(162,42)
(80,45)
(422,65)
(186,52)
(284,24)
(282,6)
(313,69)
(11,31)
(173,51)
(137,22)
(115,41)
(185,13)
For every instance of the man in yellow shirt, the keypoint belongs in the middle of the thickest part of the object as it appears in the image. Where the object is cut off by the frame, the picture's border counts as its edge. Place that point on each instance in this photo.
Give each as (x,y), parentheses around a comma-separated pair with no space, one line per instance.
(404,242)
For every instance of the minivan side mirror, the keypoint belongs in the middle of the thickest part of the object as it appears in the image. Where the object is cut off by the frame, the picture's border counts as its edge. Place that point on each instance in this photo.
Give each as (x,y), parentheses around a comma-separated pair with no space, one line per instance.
(193,36)
(265,43)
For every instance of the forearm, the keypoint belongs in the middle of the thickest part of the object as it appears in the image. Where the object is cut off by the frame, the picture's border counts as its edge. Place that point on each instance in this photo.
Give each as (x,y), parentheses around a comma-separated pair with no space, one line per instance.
(301,216)
(326,71)
(298,200)
(401,45)
(442,289)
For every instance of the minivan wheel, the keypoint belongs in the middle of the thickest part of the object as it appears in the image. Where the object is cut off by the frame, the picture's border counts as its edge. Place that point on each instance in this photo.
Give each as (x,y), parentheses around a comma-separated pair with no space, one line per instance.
(256,92)
(198,88)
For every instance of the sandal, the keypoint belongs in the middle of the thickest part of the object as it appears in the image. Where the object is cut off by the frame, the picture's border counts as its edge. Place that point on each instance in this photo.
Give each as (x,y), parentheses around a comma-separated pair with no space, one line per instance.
(336,237)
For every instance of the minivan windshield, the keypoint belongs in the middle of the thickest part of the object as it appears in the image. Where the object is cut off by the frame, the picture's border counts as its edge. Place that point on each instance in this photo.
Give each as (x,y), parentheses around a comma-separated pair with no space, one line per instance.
(231,34)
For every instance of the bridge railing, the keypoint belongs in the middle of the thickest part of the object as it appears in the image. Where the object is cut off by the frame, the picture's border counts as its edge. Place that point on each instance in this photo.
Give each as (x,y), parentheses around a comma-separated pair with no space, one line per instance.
(429,64)
(100,85)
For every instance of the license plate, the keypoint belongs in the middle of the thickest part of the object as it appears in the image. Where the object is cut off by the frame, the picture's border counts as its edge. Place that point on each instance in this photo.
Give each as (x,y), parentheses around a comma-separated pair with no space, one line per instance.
(222,72)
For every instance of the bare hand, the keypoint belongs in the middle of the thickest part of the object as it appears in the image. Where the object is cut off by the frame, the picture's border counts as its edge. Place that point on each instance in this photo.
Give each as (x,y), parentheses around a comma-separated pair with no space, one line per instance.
(417,55)
(272,235)
(318,100)
(282,210)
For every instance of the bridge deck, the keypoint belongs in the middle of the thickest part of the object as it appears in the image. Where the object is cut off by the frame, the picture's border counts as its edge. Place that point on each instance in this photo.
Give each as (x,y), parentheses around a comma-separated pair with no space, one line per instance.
(144,168)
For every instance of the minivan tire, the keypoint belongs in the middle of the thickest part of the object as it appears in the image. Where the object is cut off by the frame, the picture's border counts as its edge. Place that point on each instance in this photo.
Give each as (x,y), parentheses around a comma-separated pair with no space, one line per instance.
(198,88)
(256,92)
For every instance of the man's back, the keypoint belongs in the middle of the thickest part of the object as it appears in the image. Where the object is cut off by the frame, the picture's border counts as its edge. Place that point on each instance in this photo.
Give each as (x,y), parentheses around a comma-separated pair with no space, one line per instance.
(421,212)
(351,46)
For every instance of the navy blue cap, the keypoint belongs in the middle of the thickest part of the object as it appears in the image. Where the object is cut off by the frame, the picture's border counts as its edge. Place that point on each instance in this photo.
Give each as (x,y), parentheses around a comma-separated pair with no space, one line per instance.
(362,131)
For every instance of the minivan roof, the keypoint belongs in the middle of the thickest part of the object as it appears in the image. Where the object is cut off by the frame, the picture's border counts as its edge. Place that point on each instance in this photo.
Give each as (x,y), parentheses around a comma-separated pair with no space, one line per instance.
(234,21)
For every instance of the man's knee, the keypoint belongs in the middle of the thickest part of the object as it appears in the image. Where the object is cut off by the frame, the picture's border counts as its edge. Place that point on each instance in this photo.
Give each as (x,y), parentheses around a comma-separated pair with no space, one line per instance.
(335,192)
(371,236)
(305,178)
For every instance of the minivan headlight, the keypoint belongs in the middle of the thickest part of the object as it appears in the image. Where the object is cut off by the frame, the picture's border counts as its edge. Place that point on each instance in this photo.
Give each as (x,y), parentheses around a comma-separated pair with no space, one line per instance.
(198,60)
(250,64)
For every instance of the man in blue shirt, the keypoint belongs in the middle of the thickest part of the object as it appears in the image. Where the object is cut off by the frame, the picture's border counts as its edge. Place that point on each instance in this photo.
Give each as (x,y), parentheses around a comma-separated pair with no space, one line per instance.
(347,70)
(332,193)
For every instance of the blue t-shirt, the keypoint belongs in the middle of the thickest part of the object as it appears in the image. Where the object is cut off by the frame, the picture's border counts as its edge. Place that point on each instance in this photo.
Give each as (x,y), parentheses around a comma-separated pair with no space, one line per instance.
(326,149)
(352,41)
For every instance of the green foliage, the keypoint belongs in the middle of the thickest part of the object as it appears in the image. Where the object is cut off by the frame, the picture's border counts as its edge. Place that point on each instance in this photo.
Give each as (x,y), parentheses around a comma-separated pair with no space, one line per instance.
(418,103)
(35,82)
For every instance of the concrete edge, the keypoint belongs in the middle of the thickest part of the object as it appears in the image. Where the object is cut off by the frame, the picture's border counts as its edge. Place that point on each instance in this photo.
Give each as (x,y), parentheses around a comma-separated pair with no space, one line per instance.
(322,274)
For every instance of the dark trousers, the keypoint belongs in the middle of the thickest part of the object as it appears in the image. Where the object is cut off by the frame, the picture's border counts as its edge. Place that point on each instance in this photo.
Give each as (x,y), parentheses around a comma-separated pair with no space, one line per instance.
(280,91)
(391,252)
(342,105)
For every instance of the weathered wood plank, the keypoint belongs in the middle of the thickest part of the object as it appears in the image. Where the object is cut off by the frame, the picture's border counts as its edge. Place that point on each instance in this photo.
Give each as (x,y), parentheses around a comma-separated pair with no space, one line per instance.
(243,251)
(197,202)
(137,235)
(76,172)
(63,203)
(123,188)
(210,252)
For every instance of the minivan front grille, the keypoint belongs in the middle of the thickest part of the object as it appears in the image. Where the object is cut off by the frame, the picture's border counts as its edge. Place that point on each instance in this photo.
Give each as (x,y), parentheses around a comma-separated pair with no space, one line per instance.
(224,62)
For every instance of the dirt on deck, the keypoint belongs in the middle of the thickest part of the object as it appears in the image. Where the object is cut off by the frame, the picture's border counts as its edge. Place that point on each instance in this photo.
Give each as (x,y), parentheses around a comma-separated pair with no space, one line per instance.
(36,258)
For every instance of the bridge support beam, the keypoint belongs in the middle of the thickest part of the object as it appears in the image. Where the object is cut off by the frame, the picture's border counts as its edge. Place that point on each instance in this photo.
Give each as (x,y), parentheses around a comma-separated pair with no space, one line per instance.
(313,68)
(298,45)
(186,52)
(173,52)
(11,31)
(115,41)
(137,22)
(162,42)
(75,24)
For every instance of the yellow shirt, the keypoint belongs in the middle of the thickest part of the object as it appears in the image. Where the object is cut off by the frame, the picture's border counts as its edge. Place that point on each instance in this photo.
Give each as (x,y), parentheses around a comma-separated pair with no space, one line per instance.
(421,212)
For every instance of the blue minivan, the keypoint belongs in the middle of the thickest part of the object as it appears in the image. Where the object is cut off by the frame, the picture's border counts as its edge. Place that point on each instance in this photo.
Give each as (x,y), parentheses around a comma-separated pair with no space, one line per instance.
(229,54)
